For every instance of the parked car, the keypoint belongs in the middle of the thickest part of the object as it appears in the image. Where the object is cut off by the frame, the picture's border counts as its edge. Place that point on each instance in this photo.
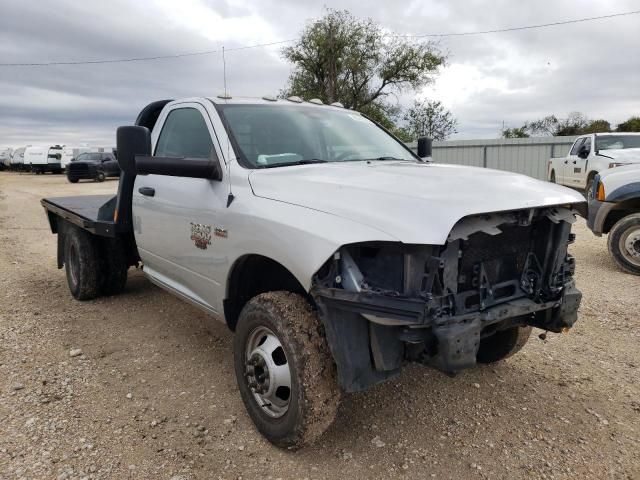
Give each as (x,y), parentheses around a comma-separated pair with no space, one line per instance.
(334,253)
(93,166)
(614,209)
(70,153)
(41,159)
(592,154)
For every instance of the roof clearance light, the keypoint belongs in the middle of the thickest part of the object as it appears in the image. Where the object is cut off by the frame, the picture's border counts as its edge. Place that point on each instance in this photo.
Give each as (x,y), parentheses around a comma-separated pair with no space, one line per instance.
(295,99)
(224,96)
(317,101)
(270,98)
(337,104)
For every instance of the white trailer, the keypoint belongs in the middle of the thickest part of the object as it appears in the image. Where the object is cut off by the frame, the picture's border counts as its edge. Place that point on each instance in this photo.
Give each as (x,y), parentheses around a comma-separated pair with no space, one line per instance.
(17,159)
(43,159)
(5,157)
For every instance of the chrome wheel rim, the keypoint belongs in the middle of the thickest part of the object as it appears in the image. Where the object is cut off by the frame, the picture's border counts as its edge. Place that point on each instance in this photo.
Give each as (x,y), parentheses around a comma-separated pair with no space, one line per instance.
(267,372)
(630,246)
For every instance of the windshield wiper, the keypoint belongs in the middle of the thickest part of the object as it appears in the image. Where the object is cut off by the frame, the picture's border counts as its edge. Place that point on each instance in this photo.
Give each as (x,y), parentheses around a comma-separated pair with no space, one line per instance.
(383,158)
(307,161)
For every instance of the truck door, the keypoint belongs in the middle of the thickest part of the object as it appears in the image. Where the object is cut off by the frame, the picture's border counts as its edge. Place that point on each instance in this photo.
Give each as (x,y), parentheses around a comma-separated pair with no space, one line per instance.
(569,165)
(177,220)
(580,165)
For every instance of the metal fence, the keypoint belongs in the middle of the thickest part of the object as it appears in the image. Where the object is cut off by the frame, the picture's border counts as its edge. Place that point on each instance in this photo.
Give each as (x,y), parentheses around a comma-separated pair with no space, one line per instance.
(522,155)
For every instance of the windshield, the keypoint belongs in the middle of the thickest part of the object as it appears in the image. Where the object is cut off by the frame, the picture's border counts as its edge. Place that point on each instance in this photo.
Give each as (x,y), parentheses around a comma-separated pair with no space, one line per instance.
(617,142)
(281,135)
(88,157)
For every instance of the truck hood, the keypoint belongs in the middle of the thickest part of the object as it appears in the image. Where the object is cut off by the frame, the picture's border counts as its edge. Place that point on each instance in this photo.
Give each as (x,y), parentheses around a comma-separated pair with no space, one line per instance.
(413,202)
(626,155)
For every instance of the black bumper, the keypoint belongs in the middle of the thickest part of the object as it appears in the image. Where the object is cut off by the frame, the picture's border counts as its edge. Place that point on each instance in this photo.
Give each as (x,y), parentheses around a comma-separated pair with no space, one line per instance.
(81,171)
(371,335)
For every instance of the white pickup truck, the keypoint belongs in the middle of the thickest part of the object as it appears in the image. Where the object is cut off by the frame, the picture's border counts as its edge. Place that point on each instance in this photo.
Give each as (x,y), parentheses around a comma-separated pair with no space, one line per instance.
(332,251)
(614,209)
(592,154)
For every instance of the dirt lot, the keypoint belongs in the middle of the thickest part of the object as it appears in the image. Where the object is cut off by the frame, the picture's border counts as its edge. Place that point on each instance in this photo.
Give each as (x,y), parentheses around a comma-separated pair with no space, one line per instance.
(153,394)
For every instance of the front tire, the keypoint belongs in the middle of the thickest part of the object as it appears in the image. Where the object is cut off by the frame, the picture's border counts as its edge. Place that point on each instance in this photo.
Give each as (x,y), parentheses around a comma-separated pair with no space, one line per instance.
(100,177)
(285,372)
(502,344)
(73,180)
(624,243)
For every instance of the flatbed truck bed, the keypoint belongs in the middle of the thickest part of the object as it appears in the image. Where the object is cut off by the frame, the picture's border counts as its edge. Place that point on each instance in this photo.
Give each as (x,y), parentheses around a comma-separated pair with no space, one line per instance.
(93,213)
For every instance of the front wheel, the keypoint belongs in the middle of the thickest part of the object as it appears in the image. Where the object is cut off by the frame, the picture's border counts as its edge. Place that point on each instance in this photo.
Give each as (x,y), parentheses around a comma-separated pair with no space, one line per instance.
(100,176)
(285,372)
(624,243)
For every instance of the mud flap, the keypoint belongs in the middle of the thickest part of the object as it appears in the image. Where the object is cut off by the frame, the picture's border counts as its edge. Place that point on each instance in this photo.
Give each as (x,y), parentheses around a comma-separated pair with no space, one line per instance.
(349,340)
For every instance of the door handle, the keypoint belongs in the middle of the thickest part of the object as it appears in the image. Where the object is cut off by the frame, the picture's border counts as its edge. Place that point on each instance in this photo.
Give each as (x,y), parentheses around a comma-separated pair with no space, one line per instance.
(575,161)
(566,161)
(147,191)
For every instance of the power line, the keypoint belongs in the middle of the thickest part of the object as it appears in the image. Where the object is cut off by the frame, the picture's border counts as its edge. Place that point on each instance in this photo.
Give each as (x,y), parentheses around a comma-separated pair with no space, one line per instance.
(527,27)
(143,59)
(259,45)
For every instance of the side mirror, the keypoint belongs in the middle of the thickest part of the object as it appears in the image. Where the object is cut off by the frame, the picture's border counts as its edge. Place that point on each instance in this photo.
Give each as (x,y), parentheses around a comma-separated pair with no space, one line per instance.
(424,147)
(583,152)
(179,167)
(132,141)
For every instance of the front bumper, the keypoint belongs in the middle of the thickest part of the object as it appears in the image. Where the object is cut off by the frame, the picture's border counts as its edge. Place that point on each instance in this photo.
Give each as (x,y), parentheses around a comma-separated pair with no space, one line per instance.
(401,329)
(82,171)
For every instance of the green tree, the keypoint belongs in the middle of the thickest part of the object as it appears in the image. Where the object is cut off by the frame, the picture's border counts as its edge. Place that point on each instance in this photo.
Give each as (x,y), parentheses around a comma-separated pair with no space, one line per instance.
(597,126)
(340,58)
(631,125)
(515,132)
(428,118)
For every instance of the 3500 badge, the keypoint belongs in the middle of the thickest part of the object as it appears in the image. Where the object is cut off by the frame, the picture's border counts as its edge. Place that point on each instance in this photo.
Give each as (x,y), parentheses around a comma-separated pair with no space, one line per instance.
(201,235)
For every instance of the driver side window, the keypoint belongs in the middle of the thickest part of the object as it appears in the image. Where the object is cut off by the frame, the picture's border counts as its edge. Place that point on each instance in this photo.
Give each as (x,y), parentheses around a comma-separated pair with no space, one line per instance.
(185,134)
(576,146)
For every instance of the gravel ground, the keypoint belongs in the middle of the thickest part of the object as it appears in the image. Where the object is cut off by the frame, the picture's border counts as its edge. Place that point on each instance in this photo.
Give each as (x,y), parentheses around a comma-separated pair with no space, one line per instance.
(141,385)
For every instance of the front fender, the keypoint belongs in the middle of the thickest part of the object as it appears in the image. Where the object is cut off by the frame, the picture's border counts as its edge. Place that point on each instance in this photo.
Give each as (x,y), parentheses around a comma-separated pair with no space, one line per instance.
(299,238)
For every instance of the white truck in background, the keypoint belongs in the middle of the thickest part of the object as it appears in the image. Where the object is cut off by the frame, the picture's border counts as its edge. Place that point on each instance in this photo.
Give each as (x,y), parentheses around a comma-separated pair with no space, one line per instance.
(614,209)
(591,154)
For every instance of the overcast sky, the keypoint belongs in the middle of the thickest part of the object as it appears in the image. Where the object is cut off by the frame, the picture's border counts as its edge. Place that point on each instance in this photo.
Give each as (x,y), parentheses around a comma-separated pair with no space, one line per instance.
(512,77)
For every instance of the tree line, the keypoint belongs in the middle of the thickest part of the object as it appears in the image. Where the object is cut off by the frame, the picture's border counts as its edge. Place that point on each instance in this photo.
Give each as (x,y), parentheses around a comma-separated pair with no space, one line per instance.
(341,58)
(576,123)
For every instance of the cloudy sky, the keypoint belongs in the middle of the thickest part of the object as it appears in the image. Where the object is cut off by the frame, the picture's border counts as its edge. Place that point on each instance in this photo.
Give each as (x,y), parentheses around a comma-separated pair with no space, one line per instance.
(592,67)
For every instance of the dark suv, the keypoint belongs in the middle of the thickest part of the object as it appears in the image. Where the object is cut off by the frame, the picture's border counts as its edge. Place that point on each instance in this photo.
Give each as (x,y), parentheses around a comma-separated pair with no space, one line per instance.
(93,166)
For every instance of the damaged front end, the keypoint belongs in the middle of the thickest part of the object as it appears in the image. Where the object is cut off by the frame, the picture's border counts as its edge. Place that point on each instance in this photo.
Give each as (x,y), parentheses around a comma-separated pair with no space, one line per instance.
(384,303)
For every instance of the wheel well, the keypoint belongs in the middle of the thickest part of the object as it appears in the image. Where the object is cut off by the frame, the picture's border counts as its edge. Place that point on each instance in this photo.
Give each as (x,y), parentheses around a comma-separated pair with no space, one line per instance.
(592,174)
(252,275)
(628,207)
